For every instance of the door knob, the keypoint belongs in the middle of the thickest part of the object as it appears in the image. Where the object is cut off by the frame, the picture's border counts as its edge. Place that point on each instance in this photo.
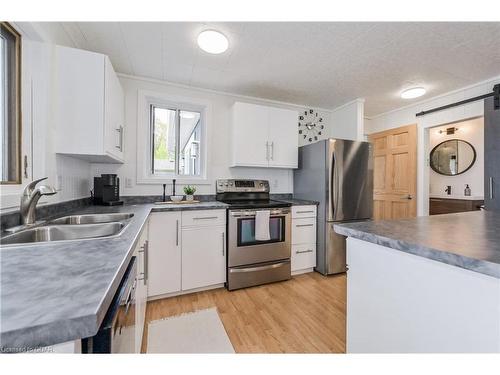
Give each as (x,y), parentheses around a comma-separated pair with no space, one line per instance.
(409,197)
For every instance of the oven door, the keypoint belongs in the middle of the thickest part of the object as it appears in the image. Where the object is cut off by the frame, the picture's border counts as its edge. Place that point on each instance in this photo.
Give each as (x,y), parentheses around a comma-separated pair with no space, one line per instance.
(244,249)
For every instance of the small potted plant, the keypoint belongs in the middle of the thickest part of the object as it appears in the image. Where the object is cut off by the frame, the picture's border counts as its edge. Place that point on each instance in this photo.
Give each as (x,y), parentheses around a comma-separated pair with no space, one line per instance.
(189,191)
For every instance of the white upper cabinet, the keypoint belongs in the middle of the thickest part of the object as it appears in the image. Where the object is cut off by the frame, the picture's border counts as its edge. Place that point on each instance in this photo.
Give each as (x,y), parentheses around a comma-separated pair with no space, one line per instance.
(250,135)
(89,110)
(264,136)
(283,138)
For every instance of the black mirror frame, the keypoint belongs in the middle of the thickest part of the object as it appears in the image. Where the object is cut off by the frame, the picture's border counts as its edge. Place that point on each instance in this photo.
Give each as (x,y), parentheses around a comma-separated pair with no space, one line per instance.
(452,175)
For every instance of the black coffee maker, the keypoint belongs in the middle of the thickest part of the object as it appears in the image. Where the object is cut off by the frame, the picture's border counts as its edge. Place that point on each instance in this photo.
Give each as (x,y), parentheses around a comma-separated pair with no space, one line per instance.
(107,190)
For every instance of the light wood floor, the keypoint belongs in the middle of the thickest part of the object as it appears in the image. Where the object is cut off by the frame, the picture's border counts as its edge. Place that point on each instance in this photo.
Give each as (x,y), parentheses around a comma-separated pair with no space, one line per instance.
(306,314)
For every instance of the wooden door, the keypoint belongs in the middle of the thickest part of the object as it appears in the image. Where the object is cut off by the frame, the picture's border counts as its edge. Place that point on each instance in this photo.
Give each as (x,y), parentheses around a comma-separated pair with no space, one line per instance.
(395,173)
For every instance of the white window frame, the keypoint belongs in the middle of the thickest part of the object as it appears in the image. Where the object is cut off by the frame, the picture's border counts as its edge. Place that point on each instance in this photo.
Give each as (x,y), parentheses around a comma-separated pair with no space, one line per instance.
(144,139)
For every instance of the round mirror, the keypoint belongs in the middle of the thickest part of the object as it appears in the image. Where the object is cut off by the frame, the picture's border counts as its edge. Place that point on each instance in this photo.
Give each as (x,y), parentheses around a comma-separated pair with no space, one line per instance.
(452,157)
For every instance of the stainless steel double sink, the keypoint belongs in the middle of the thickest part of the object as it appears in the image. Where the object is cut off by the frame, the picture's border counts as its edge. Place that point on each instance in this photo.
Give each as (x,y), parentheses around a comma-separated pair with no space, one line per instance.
(74,227)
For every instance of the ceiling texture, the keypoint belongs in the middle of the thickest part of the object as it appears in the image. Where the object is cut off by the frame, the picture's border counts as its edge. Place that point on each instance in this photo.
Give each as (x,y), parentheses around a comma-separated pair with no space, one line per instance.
(314,64)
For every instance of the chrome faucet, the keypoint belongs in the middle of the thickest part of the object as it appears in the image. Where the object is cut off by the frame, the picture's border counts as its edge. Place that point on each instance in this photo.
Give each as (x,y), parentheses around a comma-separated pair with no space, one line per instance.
(30,197)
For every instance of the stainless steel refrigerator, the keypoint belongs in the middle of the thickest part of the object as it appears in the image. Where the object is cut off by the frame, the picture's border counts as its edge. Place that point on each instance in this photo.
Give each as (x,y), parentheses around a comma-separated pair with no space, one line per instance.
(339,175)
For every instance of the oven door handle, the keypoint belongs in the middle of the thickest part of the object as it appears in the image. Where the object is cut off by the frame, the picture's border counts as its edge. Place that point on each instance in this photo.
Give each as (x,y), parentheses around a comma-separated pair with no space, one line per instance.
(252,214)
(260,268)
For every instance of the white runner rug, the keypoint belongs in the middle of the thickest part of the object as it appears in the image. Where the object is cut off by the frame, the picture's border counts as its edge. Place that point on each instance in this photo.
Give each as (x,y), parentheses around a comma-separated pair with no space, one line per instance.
(197,332)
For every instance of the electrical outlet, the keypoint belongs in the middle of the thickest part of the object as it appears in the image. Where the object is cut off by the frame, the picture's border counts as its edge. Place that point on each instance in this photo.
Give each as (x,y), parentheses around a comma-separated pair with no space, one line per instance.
(128,182)
(275,183)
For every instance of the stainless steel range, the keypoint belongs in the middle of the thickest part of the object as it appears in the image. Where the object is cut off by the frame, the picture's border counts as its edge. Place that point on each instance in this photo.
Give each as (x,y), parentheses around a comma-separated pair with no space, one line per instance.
(249,261)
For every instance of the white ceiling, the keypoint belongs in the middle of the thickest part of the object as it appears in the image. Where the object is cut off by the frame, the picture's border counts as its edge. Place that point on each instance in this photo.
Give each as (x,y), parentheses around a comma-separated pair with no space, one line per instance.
(315,64)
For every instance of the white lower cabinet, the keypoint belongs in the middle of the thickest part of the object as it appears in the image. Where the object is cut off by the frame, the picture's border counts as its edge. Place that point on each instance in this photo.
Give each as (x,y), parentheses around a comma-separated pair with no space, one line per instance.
(303,256)
(164,256)
(303,238)
(141,293)
(186,251)
(203,256)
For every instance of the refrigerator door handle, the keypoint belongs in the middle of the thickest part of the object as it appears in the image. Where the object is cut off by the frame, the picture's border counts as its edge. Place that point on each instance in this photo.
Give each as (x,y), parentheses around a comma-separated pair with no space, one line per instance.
(333,187)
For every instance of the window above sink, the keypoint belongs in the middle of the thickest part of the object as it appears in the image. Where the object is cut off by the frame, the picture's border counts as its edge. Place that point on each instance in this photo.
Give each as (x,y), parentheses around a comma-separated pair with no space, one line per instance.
(172,139)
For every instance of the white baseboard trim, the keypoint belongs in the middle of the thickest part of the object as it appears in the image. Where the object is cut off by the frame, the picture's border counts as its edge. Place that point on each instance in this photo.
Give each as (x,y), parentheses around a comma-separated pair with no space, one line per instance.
(182,292)
(300,272)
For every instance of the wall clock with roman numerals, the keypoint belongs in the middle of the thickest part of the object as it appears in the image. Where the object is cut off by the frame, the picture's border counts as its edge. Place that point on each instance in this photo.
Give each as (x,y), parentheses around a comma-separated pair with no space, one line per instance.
(310,125)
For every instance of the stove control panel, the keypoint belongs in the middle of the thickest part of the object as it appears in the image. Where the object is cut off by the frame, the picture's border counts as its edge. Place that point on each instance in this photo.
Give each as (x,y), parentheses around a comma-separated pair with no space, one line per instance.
(242,186)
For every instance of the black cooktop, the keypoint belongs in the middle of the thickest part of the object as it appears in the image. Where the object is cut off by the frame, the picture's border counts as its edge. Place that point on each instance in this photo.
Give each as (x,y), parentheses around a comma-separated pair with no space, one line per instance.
(258,203)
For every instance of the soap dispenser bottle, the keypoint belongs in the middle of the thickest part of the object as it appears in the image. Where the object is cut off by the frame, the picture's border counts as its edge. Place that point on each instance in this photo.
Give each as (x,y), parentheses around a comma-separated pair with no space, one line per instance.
(467,190)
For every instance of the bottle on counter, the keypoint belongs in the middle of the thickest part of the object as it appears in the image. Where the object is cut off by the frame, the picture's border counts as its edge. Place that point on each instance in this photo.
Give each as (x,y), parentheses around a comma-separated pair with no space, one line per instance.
(467,191)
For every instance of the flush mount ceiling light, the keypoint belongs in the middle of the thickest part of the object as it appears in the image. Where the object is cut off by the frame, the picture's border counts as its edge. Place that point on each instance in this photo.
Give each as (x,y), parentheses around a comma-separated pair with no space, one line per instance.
(212,41)
(413,92)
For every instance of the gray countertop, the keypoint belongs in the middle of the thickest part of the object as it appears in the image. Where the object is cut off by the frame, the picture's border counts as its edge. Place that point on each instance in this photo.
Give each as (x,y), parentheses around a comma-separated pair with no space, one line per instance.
(299,202)
(188,206)
(470,240)
(60,291)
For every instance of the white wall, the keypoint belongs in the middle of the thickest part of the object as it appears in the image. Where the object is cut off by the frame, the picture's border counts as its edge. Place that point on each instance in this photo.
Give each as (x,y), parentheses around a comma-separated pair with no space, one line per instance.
(471,131)
(218,140)
(406,116)
(37,106)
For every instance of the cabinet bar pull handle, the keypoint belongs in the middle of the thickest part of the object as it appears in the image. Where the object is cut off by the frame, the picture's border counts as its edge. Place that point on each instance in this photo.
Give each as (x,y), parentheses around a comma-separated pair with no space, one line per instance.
(25,166)
(205,218)
(491,188)
(303,251)
(177,233)
(267,151)
(223,245)
(120,131)
(305,212)
(146,261)
(304,225)
(272,150)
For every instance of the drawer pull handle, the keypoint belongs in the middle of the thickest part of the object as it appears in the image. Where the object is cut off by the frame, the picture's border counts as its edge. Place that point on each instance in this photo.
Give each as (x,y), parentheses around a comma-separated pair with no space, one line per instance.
(304,225)
(305,212)
(303,251)
(205,218)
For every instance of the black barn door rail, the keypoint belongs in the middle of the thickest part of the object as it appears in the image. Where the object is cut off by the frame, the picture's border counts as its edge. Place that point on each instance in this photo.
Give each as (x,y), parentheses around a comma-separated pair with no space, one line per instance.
(495,93)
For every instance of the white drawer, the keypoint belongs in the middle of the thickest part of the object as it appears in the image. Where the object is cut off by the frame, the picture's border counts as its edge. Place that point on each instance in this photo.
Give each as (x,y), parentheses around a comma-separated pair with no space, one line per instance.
(303,256)
(203,218)
(303,211)
(303,231)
